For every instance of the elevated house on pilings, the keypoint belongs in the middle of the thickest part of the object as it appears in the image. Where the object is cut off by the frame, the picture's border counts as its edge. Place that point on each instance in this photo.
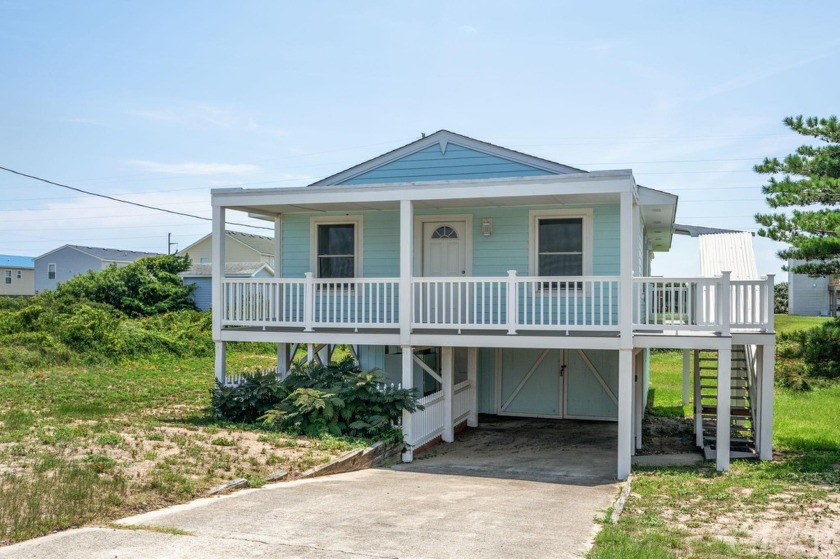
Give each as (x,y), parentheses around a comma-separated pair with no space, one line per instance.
(498,282)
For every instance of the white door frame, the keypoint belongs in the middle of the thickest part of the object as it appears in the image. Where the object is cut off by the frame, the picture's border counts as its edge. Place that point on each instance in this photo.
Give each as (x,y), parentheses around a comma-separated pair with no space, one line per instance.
(443,219)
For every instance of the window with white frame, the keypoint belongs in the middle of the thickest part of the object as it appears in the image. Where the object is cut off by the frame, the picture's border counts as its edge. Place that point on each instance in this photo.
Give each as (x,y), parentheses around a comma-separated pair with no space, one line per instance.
(336,247)
(561,243)
(51,271)
(8,276)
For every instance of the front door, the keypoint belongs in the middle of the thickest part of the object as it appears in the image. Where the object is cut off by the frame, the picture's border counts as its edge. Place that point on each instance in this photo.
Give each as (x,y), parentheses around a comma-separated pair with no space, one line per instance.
(444,256)
(530,383)
(444,249)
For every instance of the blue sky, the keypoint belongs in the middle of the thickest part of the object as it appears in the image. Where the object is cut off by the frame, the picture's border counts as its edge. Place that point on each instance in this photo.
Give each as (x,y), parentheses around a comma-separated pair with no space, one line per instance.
(159,102)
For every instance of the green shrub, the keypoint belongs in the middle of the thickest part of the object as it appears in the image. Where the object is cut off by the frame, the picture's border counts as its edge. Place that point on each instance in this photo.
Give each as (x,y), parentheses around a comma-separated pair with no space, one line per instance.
(337,399)
(780,298)
(817,349)
(146,287)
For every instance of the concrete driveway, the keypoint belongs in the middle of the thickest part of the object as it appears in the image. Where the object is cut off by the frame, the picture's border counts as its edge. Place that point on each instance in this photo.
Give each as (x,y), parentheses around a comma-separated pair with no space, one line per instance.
(418,510)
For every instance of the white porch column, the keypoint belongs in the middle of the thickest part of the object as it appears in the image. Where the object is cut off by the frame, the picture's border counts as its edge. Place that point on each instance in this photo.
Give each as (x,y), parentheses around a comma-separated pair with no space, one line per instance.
(638,397)
(221,361)
(278,243)
(765,368)
(472,376)
(686,387)
(625,412)
(407,383)
(447,357)
(218,268)
(626,226)
(218,271)
(698,403)
(283,360)
(406,260)
(310,353)
(724,385)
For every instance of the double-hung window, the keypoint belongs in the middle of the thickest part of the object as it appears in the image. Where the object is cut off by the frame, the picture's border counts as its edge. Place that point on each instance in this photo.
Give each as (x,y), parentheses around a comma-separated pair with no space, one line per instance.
(336,247)
(561,244)
(8,276)
(51,271)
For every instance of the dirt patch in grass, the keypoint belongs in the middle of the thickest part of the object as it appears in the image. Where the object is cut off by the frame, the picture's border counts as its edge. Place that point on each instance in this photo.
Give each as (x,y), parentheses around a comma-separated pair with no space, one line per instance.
(789,525)
(126,466)
(667,435)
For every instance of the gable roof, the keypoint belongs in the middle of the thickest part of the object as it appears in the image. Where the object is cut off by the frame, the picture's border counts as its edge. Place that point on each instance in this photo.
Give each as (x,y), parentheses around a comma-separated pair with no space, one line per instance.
(442,139)
(105,254)
(259,243)
(10,261)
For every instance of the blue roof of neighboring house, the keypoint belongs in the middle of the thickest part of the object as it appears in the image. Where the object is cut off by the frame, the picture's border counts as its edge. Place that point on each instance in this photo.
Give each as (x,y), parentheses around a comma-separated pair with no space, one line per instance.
(9,261)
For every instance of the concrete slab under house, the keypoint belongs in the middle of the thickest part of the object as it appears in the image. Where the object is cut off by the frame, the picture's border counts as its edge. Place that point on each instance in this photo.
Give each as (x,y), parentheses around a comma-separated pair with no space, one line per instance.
(496,282)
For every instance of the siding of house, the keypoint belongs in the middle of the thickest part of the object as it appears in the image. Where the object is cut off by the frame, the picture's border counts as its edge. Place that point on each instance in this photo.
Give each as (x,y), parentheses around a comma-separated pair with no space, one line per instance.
(807,296)
(506,249)
(68,263)
(203,295)
(23,286)
(457,163)
(234,252)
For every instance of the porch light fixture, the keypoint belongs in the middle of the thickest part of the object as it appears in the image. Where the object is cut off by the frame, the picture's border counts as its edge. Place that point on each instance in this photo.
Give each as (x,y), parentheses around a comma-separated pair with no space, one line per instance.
(486,226)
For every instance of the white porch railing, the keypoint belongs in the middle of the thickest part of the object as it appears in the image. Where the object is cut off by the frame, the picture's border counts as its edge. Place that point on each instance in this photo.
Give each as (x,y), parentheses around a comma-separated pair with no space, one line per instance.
(514,303)
(509,303)
(426,424)
(461,400)
(706,304)
(310,302)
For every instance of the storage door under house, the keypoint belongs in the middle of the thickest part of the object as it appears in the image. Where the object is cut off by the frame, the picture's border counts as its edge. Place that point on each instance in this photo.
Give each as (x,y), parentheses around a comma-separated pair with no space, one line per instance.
(574,384)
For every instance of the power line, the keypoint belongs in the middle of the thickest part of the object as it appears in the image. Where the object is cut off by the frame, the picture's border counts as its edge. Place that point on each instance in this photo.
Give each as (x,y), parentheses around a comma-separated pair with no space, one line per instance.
(129,202)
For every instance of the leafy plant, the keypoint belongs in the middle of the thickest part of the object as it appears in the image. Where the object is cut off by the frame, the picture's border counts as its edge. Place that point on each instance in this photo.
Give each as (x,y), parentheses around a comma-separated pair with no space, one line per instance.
(780,298)
(337,399)
(818,349)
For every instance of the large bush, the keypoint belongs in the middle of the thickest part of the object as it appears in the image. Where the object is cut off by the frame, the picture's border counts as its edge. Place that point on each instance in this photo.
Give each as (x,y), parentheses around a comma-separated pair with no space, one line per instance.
(818,349)
(339,399)
(146,287)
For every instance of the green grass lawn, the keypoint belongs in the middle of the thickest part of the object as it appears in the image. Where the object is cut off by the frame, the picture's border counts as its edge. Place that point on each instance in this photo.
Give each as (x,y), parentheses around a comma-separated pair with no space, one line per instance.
(92,444)
(697,512)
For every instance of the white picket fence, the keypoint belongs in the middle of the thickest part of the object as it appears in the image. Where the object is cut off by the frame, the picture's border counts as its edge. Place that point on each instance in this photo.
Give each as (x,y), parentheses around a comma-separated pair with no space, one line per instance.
(428,423)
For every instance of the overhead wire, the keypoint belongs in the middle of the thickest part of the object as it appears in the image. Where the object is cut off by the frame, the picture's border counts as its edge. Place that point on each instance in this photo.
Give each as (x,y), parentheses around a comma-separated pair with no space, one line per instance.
(129,202)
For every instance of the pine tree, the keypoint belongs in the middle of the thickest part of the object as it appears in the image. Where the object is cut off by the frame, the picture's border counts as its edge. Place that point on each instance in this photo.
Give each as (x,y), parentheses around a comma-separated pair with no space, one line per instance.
(810,186)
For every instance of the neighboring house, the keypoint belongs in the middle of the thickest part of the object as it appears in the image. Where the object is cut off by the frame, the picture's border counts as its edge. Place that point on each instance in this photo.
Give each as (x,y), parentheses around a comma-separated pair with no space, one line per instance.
(809,296)
(239,247)
(66,262)
(17,275)
(200,274)
(498,282)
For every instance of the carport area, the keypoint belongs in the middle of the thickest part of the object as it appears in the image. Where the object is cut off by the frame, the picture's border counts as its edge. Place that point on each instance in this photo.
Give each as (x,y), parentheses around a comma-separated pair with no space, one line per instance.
(563,451)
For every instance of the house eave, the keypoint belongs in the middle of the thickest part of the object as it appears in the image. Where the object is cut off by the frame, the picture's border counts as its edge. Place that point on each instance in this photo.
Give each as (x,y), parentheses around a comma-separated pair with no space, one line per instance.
(547,189)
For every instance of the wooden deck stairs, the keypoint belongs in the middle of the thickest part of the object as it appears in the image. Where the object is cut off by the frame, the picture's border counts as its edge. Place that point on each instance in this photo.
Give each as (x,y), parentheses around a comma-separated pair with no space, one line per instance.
(742,415)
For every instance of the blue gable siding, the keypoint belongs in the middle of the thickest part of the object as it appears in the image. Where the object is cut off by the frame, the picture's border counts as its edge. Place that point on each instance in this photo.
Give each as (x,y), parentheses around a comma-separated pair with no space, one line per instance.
(457,163)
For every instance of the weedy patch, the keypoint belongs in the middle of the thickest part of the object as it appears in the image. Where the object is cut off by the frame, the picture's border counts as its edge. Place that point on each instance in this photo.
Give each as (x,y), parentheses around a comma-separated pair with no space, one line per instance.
(67,466)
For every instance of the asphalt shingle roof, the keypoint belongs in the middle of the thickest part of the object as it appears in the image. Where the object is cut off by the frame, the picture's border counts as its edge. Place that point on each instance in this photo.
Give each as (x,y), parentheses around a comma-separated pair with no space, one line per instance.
(9,261)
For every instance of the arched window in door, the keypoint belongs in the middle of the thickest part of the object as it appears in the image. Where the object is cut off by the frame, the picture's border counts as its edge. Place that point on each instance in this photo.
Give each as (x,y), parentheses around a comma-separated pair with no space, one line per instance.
(444,232)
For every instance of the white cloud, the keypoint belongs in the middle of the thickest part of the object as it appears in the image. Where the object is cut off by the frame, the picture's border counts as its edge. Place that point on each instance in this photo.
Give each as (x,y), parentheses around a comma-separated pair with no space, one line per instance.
(204,114)
(193,167)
